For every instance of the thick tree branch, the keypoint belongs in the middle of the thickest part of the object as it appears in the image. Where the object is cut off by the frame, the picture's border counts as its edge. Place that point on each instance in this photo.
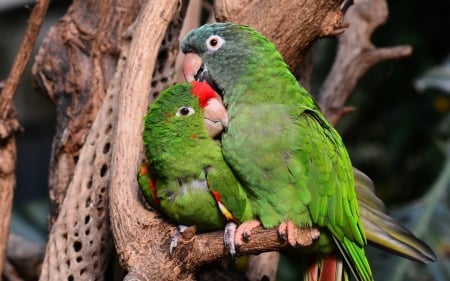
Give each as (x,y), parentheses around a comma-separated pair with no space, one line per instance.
(74,67)
(136,230)
(9,125)
(355,55)
(292,25)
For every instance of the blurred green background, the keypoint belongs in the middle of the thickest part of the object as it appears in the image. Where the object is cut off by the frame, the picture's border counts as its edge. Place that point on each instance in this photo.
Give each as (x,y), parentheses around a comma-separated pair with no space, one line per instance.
(398,134)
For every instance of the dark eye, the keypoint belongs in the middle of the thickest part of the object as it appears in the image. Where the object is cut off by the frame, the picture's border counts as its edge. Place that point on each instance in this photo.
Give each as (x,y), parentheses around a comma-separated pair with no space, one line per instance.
(214,42)
(185,111)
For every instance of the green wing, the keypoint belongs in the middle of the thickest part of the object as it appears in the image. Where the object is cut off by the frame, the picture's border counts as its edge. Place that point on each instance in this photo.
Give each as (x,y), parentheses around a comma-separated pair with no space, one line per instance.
(222,181)
(330,179)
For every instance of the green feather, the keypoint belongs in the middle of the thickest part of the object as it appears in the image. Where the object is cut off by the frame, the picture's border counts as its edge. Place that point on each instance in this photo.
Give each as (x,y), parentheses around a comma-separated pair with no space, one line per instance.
(187,165)
(290,160)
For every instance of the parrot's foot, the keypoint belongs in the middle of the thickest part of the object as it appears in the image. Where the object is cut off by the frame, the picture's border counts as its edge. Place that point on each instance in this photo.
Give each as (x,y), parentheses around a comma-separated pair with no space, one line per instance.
(244,231)
(228,237)
(297,236)
(174,240)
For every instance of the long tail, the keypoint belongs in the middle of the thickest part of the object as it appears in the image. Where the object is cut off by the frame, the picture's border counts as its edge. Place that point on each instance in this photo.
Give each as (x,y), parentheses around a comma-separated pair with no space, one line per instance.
(383,231)
(330,268)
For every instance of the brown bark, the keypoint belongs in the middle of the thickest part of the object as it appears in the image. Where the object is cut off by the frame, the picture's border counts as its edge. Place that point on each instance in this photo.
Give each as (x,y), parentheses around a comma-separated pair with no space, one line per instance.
(355,55)
(139,234)
(73,68)
(9,125)
(292,25)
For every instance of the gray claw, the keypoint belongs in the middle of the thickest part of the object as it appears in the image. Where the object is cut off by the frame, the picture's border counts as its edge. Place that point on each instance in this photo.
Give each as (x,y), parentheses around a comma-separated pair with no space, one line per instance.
(228,237)
(174,240)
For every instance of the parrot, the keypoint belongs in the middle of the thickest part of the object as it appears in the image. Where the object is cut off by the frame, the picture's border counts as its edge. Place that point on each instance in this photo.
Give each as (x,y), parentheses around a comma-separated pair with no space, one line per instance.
(185,176)
(289,159)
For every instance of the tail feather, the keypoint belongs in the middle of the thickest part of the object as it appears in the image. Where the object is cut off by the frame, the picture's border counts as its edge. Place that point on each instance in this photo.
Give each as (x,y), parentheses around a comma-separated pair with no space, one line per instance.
(383,231)
(355,259)
(330,268)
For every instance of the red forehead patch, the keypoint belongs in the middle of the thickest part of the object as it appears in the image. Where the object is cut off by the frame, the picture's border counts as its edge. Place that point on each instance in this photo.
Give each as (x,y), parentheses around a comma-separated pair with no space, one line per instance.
(203,91)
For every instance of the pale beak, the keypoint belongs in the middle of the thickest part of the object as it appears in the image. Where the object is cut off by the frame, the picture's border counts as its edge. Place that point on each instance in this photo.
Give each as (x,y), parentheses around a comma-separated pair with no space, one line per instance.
(191,64)
(216,117)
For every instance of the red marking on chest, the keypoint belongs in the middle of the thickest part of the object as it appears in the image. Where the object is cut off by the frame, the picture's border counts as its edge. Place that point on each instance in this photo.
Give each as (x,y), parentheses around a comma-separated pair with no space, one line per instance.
(144,170)
(203,92)
(152,187)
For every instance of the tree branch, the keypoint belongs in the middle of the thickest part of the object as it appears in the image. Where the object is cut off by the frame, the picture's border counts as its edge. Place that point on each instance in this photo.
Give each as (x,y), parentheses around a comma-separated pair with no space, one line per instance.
(282,23)
(355,55)
(9,125)
(137,232)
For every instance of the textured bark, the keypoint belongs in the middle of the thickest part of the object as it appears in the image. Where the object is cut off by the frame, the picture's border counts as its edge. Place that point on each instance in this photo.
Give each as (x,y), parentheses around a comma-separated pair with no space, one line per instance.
(292,25)
(7,182)
(140,236)
(9,125)
(73,68)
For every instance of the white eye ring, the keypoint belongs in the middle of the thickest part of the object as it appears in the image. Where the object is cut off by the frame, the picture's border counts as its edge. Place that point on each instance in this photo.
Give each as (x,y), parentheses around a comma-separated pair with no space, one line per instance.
(185,111)
(214,42)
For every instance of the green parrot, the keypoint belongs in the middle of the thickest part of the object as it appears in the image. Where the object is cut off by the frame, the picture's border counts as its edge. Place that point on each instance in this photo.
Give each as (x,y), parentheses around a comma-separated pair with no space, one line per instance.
(291,162)
(186,176)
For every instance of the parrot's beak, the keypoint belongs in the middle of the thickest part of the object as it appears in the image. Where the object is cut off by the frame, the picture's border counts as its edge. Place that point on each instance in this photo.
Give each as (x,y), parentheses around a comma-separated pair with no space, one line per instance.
(195,69)
(191,65)
(216,117)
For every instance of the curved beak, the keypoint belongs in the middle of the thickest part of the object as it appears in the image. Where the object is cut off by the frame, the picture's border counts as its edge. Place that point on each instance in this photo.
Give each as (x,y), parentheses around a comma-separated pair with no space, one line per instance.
(216,117)
(191,65)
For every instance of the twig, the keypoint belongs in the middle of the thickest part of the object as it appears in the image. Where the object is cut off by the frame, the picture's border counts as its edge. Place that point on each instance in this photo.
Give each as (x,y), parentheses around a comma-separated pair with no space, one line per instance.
(12,82)
(355,55)
(9,124)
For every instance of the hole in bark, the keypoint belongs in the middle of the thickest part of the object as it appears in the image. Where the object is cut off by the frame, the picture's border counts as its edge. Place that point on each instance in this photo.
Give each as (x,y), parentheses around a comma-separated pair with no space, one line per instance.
(103,189)
(106,147)
(75,234)
(87,232)
(155,95)
(89,184)
(82,271)
(70,278)
(77,246)
(103,170)
(100,225)
(162,56)
(108,129)
(87,219)
(79,259)
(100,212)
(164,80)
(154,83)
(88,202)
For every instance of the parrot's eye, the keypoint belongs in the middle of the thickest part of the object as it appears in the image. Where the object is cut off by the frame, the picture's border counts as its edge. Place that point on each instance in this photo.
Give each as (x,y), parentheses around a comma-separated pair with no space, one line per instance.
(214,42)
(185,111)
